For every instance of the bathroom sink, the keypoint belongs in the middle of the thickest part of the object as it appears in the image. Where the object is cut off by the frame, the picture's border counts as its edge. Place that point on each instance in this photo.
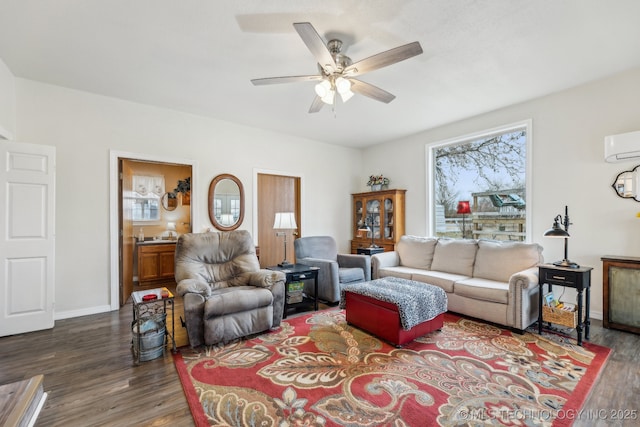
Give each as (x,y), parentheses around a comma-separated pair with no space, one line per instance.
(152,242)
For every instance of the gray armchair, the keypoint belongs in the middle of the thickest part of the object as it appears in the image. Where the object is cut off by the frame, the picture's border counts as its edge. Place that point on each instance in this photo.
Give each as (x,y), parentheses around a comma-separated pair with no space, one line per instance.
(226,294)
(336,269)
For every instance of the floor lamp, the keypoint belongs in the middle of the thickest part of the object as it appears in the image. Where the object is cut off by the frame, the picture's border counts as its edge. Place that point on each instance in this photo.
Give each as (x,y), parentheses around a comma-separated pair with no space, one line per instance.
(463,209)
(285,221)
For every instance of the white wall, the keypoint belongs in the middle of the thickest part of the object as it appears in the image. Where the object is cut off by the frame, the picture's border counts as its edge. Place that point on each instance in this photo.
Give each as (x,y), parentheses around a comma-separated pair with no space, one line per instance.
(568,169)
(7,102)
(85,127)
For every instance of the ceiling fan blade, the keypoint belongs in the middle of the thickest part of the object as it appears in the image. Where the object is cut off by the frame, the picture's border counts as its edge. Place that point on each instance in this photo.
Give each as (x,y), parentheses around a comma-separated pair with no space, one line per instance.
(316,105)
(384,59)
(316,45)
(286,79)
(374,92)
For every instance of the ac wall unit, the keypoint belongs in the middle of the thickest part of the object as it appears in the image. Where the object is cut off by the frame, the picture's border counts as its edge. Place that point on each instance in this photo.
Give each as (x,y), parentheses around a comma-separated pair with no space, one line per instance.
(622,147)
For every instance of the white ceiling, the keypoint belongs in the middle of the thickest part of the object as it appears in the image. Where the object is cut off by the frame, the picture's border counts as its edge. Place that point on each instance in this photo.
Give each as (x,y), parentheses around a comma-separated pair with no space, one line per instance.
(199,56)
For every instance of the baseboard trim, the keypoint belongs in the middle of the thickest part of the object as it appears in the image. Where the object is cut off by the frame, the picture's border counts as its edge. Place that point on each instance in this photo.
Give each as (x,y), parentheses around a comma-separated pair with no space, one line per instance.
(59,315)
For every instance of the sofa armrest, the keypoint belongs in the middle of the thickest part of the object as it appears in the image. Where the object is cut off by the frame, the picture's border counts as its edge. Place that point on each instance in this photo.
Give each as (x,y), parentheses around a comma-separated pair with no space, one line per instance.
(328,277)
(266,278)
(523,294)
(382,260)
(193,286)
(524,279)
(356,261)
(328,269)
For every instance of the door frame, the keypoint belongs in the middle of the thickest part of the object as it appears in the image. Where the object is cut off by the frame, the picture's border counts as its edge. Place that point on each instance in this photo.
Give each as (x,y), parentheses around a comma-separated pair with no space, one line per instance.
(256,172)
(114,206)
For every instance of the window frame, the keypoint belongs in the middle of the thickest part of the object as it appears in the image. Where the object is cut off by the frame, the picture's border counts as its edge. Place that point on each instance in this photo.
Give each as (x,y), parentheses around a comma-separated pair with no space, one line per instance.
(527,125)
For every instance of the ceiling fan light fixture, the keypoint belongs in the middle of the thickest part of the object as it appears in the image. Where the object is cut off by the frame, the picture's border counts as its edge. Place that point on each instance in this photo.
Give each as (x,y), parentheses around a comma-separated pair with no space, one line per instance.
(343,85)
(328,98)
(323,88)
(346,95)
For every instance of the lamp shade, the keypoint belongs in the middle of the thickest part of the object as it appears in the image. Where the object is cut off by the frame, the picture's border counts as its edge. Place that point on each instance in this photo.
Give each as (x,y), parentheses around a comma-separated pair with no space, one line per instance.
(285,221)
(556,229)
(464,207)
(171,226)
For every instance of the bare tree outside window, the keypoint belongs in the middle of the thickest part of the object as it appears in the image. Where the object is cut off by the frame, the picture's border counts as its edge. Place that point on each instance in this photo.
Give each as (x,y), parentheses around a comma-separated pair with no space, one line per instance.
(489,171)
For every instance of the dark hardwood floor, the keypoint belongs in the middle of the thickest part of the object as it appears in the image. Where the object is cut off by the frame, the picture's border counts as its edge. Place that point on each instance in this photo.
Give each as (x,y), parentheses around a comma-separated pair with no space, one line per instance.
(92,381)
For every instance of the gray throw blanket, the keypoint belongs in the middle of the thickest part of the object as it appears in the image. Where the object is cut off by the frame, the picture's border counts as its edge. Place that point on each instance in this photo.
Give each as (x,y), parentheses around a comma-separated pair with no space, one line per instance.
(417,302)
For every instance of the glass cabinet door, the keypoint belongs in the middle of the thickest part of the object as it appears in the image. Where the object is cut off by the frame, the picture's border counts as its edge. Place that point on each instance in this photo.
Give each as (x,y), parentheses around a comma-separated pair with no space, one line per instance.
(388,218)
(358,215)
(373,217)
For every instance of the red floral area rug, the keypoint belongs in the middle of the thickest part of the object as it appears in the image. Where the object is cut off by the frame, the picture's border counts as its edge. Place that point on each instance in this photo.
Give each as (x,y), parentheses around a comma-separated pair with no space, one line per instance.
(316,370)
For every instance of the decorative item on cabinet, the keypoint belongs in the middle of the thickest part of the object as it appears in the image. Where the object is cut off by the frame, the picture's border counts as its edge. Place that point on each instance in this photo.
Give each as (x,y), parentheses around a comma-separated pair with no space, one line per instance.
(377,182)
(378,219)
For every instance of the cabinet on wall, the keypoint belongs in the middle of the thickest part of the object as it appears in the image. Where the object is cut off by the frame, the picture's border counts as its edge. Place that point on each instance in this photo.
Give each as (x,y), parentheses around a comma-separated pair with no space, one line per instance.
(377,214)
(621,293)
(155,262)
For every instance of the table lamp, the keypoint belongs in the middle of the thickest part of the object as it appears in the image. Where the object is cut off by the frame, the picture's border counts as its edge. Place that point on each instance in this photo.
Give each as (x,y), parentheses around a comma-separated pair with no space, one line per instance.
(558,231)
(285,221)
(368,229)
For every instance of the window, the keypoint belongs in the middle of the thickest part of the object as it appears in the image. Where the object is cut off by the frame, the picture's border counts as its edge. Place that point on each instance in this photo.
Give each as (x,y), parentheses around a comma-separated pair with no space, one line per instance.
(147,191)
(490,170)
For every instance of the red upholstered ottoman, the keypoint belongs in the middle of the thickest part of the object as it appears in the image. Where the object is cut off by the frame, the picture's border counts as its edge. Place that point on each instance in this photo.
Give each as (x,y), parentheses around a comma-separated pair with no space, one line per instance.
(375,313)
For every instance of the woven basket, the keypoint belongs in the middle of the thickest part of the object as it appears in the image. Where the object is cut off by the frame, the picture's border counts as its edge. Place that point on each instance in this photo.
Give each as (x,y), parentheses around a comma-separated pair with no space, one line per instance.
(559,316)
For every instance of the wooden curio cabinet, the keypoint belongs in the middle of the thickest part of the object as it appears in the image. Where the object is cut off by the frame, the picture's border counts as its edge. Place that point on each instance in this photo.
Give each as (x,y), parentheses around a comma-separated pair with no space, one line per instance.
(377,213)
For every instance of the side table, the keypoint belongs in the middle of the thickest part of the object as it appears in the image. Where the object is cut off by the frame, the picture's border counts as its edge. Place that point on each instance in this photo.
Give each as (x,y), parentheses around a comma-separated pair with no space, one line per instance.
(577,278)
(296,273)
(143,308)
(369,251)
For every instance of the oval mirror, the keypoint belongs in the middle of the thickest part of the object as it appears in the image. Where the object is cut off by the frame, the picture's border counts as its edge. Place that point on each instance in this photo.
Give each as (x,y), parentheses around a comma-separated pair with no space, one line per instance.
(627,183)
(169,201)
(226,202)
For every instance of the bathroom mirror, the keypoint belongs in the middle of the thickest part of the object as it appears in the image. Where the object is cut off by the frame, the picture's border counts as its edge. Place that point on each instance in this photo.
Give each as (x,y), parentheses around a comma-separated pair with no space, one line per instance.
(169,201)
(226,202)
(627,183)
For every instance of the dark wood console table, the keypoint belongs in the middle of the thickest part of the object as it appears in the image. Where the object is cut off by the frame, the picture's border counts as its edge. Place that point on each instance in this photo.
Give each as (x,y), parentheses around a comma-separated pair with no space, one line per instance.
(621,293)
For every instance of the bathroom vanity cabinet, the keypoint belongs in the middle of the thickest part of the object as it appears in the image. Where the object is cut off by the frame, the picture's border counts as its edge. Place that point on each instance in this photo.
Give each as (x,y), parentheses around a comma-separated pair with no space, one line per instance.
(156,261)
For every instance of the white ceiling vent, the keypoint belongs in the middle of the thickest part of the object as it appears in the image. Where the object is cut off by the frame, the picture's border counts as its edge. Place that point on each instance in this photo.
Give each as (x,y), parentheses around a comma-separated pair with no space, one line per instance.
(622,147)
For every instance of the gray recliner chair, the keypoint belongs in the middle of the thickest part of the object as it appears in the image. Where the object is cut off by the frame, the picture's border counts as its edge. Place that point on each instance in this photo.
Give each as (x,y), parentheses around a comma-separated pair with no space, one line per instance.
(226,294)
(336,270)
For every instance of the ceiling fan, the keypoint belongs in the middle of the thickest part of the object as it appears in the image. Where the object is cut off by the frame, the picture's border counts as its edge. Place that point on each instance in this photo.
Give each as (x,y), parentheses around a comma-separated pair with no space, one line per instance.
(338,73)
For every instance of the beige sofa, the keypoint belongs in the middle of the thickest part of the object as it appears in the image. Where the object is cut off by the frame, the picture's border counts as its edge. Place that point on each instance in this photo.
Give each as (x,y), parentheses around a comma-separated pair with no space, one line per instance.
(486,279)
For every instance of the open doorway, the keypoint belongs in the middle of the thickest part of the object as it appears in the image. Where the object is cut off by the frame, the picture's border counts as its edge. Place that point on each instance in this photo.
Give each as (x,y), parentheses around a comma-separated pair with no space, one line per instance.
(155,208)
(159,216)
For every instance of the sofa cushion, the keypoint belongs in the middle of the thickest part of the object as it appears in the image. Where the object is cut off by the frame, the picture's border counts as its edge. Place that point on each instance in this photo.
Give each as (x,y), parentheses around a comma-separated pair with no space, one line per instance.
(350,275)
(416,252)
(233,300)
(441,279)
(455,256)
(402,272)
(499,260)
(483,289)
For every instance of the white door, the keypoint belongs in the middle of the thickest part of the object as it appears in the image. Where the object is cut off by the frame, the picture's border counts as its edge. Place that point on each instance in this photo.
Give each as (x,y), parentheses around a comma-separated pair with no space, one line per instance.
(27,237)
